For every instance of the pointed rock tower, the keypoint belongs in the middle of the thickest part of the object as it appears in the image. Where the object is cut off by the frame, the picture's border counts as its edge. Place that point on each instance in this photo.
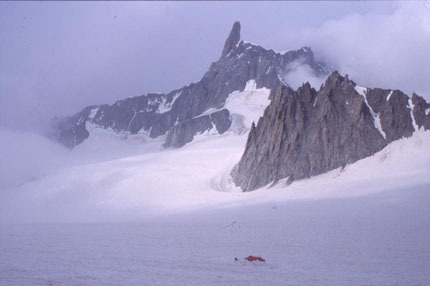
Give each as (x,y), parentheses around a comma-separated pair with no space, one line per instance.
(232,40)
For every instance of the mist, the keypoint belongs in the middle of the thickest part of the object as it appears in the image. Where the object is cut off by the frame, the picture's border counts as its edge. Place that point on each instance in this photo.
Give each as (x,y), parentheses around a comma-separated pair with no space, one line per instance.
(27,155)
(386,50)
(298,73)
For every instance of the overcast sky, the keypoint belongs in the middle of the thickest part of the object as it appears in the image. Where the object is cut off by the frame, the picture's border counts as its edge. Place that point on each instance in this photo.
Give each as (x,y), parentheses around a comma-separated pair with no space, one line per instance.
(57,57)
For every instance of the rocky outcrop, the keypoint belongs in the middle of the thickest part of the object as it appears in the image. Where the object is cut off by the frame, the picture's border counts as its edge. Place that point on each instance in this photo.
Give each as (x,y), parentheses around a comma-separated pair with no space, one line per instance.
(184,132)
(157,114)
(305,133)
(421,111)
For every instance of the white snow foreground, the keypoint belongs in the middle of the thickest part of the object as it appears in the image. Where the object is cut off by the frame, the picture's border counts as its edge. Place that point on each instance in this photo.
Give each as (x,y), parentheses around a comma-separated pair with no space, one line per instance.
(174,217)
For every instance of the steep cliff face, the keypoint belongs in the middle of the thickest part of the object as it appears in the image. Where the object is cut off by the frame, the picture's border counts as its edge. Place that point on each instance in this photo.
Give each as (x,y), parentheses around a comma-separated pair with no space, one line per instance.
(305,133)
(181,133)
(164,114)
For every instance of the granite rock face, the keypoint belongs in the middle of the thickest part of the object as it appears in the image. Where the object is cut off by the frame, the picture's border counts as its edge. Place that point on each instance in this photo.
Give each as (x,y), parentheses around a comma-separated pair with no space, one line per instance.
(232,40)
(421,111)
(165,114)
(184,132)
(307,132)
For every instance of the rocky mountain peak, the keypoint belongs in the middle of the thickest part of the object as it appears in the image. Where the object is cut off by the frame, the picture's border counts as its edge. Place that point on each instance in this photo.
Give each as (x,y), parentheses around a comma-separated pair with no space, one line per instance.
(193,109)
(232,39)
(305,133)
(336,80)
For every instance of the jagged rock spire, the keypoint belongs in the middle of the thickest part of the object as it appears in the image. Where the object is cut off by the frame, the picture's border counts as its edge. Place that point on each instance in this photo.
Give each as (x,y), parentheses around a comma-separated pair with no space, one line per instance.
(232,40)
(305,133)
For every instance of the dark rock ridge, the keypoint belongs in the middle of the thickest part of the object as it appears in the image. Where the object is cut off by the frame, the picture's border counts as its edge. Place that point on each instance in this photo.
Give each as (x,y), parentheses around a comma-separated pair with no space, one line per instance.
(307,132)
(177,114)
(185,131)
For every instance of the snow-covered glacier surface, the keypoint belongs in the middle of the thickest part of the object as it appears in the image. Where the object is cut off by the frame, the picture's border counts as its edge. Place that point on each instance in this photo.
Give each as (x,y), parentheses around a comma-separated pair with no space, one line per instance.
(128,212)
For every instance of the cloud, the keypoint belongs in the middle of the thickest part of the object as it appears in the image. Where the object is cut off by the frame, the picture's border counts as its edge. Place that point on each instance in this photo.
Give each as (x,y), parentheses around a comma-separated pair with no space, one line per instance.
(377,50)
(298,73)
(26,156)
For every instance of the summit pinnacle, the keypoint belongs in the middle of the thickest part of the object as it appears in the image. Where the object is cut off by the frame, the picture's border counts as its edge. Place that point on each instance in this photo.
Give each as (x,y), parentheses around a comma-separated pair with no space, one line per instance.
(232,40)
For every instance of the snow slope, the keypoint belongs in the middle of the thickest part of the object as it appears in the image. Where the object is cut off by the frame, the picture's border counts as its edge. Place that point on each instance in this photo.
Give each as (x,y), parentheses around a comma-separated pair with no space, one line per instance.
(112,182)
(173,217)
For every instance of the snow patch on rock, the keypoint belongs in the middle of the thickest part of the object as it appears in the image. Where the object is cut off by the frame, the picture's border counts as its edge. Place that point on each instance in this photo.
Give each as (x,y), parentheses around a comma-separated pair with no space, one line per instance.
(411,107)
(249,103)
(389,95)
(93,113)
(376,119)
